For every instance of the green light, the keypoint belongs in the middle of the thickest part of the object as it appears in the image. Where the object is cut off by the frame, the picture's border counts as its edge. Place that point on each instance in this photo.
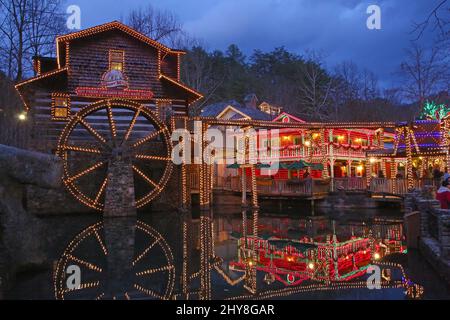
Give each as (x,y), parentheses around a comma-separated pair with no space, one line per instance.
(434,111)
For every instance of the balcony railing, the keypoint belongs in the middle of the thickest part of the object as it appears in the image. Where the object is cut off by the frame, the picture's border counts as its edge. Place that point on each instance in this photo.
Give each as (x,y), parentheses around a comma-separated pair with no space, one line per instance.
(303,152)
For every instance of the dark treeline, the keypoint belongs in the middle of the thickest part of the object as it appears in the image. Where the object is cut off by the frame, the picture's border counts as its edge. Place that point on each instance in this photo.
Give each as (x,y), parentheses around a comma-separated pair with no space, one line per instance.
(299,84)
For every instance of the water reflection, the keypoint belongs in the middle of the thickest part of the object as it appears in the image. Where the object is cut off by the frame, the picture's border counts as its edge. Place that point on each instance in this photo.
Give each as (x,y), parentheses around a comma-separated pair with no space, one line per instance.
(118,259)
(274,257)
(247,255)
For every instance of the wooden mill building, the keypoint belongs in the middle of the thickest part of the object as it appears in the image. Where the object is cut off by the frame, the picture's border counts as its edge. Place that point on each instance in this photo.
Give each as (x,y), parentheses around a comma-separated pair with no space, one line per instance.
(109,94)
(75,78)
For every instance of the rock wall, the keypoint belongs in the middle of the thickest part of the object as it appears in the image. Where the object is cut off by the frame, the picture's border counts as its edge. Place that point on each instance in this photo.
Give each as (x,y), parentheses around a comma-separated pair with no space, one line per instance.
(21,234)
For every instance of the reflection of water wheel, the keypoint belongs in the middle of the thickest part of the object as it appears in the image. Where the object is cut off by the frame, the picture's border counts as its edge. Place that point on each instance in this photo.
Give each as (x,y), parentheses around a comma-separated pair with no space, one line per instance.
(152,273)
(108,130)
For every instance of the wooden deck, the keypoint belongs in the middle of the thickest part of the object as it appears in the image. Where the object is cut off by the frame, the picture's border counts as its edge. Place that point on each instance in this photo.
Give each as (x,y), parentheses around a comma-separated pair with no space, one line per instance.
(379,189)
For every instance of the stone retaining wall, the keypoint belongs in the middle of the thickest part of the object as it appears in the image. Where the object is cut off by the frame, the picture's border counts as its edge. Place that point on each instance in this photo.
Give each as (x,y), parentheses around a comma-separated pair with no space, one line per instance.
(434,241)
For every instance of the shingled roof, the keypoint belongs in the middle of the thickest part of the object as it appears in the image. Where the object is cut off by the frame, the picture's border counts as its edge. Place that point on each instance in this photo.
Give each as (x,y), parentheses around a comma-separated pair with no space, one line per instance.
(214,110)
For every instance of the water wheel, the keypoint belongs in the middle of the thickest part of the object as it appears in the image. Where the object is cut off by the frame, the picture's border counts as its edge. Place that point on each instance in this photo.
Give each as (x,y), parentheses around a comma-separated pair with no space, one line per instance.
(110,132)
(147,272)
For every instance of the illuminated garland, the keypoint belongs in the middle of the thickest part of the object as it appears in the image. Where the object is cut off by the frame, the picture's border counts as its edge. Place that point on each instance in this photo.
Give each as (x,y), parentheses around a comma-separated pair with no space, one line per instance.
(161,130)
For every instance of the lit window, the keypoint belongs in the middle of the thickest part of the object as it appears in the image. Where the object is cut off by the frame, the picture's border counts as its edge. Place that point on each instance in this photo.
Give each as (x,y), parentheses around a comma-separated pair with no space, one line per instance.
(60,106)
(116,60)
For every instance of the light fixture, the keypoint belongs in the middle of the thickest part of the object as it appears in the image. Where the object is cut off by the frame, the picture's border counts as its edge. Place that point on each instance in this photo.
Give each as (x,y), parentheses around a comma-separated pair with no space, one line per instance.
(376,256)
(372,160)
(311,266)
(307,143)
(22,116)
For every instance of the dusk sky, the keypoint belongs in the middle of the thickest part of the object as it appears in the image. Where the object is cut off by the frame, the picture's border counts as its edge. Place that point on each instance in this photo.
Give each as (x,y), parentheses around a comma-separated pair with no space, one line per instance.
(335,27)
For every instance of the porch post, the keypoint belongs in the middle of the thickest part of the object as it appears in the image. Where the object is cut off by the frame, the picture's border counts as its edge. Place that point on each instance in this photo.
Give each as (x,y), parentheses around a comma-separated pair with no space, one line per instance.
(349,168)
(324,154)
(204,180)
(254,188)
(384,167)
(368,172)
(332,174)
(410,180)
(244,187)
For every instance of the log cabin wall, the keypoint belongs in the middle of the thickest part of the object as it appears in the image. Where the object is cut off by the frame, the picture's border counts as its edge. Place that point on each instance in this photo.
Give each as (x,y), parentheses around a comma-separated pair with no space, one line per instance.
(87,60)
(45,131)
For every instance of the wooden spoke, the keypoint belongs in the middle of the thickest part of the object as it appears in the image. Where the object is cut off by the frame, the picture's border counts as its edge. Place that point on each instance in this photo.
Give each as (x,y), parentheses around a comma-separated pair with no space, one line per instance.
(85,263)
(149,292)
(92,131)
(80,149)
(100,296)
(83,286)
(108,137)
(149,137)
(130,128)
(97,236)
(142,255)
(102,189)
(85,172)
(112,124)
(146,178)
(157,158)
(154,270)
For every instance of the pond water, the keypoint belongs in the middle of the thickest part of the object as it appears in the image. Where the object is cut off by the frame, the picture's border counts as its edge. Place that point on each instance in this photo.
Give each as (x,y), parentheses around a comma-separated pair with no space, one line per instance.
(275,253)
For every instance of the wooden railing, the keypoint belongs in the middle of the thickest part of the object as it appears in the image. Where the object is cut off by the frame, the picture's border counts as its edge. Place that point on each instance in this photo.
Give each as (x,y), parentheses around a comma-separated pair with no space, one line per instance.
(303,152)
(272,187)
(350,184)
(285,187)
(383,186)
(398,186)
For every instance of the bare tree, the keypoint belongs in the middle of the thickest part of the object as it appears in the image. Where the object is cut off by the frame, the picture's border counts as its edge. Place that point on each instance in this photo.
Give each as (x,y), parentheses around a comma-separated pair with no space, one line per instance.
(423,72)
(159,25)
(13,28)
(437,19)
(27,27)
(369,85)
(315,88)
(199,72)
(44,23)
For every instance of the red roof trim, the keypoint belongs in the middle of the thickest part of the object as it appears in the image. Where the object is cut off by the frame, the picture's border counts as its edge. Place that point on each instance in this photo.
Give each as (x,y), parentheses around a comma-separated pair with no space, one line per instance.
(285,114)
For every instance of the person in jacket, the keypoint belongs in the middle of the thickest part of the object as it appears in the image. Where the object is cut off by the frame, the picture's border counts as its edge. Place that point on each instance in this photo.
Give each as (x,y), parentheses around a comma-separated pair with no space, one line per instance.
(443,195)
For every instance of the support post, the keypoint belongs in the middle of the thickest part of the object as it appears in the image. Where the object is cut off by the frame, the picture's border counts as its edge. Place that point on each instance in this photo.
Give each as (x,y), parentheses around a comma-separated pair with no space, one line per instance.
(332,161)
(244,187)
(254,188)
(204,181)
(324,153)
(409,165)
(120,199)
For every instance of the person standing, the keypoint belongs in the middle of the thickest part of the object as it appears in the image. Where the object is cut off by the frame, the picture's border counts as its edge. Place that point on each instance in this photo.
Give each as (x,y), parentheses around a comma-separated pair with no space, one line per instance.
(443,195)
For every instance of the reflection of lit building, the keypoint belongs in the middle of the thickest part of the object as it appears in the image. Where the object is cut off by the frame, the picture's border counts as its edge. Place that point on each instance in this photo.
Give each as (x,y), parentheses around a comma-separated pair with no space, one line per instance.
(315,253)
(292,262)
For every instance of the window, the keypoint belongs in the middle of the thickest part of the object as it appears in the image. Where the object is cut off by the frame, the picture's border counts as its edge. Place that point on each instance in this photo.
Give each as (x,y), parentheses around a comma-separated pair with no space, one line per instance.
(60,106)
(116,60)
(164,109)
